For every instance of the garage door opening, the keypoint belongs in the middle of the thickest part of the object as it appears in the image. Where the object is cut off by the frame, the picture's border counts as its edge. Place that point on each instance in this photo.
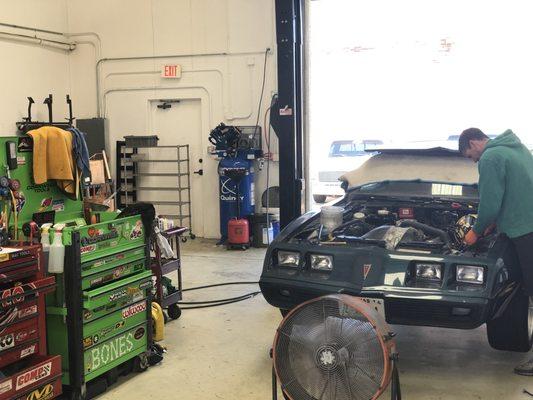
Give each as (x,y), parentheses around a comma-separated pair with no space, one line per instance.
(410,74)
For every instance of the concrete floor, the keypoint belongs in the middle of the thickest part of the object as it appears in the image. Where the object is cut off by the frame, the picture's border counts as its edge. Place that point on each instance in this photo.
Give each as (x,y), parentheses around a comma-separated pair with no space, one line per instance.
(222,352)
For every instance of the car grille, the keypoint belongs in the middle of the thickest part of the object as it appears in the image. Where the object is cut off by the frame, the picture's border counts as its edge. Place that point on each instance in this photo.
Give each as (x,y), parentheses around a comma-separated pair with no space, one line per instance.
(412,312)
(408,309)
(329,176)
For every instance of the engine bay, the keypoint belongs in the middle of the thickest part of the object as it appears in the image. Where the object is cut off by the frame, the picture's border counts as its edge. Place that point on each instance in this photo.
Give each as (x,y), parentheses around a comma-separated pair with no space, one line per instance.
(429,226)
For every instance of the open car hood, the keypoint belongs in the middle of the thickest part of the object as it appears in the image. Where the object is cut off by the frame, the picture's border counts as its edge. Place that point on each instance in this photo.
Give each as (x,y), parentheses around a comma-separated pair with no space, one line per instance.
(432,165)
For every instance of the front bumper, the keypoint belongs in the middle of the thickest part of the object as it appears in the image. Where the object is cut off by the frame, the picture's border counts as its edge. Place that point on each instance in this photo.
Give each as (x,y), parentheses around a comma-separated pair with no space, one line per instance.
(402,307)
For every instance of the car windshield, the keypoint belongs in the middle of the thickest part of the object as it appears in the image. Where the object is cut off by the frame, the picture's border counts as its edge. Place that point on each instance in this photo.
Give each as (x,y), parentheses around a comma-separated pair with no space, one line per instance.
(417,189)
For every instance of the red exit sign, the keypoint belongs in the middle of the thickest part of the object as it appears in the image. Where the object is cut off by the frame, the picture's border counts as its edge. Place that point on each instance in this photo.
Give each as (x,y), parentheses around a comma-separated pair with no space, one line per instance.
(171,71)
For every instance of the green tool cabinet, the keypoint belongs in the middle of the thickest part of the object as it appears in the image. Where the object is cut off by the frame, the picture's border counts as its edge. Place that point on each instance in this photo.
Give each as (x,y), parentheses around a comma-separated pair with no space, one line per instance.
(99,317)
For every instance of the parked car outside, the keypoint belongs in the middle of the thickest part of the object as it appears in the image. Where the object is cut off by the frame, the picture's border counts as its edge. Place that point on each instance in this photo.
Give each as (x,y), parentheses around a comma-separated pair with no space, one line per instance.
(343,156)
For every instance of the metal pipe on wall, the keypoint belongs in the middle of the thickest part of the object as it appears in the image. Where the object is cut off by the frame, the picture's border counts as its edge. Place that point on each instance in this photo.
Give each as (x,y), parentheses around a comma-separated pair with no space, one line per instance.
(29,28)
(55,44)
(138,58)
(217,71)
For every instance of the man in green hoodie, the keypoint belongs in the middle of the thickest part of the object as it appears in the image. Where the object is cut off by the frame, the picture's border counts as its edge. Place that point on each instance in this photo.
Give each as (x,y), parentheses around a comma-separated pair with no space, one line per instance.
(505,198)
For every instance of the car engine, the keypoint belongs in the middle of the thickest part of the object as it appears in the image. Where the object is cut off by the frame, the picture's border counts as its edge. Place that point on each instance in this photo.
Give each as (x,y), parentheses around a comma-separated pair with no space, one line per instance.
(438,227)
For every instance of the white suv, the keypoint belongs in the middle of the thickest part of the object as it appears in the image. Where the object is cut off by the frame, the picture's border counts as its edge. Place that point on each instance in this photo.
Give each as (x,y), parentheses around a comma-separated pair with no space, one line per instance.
(344,156)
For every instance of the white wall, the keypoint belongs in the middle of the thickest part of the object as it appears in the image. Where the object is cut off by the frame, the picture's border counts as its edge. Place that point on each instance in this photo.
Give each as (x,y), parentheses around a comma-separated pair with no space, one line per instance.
(28,69)
(228,86)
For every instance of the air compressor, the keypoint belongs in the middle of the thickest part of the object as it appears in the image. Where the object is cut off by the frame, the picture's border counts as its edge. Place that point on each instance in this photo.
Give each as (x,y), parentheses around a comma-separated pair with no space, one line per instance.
(236,200)
(236,180)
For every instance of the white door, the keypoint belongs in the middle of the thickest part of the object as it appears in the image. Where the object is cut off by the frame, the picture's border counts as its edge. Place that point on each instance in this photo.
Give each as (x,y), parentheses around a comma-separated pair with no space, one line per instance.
(179,124)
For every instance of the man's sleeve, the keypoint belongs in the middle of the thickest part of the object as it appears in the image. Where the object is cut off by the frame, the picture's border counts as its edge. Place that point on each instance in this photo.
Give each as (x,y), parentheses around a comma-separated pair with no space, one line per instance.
(491,191)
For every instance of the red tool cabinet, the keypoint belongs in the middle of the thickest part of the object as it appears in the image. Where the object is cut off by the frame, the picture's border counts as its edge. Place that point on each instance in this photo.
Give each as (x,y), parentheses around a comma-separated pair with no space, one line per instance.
(26,371)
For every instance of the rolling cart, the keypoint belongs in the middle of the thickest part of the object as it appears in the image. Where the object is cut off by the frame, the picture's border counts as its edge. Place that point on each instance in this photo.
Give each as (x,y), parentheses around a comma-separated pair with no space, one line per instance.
(166,294)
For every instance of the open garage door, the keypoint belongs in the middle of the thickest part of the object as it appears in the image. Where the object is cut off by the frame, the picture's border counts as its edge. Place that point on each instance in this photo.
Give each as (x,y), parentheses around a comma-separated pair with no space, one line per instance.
(410,74)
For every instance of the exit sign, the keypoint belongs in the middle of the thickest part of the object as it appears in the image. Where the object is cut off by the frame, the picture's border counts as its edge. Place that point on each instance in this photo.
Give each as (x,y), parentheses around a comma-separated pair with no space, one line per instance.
(171,71)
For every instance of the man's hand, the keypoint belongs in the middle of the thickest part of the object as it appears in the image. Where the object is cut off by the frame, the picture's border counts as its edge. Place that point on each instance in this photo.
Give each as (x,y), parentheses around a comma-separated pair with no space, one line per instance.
(489,229)
(470,238)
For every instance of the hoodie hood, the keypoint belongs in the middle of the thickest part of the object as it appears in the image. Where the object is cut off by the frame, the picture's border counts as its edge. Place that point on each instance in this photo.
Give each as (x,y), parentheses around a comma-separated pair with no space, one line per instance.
(507,138)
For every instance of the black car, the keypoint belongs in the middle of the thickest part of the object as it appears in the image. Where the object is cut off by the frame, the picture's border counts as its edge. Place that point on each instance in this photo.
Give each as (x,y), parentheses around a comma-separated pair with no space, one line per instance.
(398,243)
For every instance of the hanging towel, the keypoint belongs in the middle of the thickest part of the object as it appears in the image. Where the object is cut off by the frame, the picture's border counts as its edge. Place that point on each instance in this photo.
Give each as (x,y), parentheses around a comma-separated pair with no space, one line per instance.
(52,158)
(81,152)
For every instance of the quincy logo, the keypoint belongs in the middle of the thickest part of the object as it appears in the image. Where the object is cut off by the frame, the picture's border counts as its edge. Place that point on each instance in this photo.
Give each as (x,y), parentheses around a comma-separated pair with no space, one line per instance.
(110,351)
(44,393)
(33,375)
(133,309)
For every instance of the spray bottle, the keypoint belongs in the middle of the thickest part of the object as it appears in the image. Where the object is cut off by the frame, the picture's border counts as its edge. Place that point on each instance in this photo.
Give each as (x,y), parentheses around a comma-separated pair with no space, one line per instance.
(45,242)
(57,252)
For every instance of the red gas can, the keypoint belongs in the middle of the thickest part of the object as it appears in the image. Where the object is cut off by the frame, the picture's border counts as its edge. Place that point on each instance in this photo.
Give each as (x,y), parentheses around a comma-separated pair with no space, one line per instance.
(238,233)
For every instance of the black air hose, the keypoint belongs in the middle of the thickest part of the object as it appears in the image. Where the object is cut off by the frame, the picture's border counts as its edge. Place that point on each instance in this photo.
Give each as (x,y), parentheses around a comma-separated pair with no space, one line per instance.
(430,230)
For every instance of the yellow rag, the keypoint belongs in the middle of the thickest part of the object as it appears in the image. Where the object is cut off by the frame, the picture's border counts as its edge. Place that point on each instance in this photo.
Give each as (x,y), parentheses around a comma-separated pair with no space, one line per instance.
(52,157)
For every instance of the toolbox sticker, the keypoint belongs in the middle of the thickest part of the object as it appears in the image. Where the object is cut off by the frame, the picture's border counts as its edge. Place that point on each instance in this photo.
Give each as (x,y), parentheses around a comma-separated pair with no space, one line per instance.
(87,314)
(6,387)
(30,350)
(21,160)
(139,333)
(137,230)
(117,295)
(92,340)
(34,375)
(87,249)
(45,203)
(58,205)
(110,351)
(7,342)
(22,336)
(133,310)
(44,393)
(27,311)
(100,237)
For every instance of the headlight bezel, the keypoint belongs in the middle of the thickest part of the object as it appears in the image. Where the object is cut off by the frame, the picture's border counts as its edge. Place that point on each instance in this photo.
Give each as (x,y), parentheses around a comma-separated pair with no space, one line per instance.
(475,282)
(287,254)
(313,257)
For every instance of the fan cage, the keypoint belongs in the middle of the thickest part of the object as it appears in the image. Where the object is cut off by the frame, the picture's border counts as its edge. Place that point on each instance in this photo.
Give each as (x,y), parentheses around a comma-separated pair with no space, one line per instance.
(334,347)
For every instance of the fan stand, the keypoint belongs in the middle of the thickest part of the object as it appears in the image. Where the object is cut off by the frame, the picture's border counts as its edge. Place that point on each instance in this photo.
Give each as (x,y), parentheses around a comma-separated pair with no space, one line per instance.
(396,392)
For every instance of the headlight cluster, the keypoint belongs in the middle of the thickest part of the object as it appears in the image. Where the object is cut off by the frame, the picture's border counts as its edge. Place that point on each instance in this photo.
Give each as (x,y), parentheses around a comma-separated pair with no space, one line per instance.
(470,274)
(429,271)
(474,274)
(288,259)
(318,262)
(321,262)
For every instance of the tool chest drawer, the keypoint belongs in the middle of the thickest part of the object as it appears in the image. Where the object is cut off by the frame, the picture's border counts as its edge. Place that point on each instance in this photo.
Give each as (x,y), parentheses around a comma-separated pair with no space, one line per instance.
(114,324)
(106,299)
(110,353)
(45,391)
(18,341)
(16,295)
(99,240)
(112,268)
(27,377)
(17,264)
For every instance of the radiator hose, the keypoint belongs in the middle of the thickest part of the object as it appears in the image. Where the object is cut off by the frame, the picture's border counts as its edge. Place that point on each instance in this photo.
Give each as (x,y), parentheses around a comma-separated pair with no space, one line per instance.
(429,230)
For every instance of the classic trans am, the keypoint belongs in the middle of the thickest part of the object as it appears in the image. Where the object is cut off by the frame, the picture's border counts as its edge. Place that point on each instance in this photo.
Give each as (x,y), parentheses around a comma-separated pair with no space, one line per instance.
(395,239)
